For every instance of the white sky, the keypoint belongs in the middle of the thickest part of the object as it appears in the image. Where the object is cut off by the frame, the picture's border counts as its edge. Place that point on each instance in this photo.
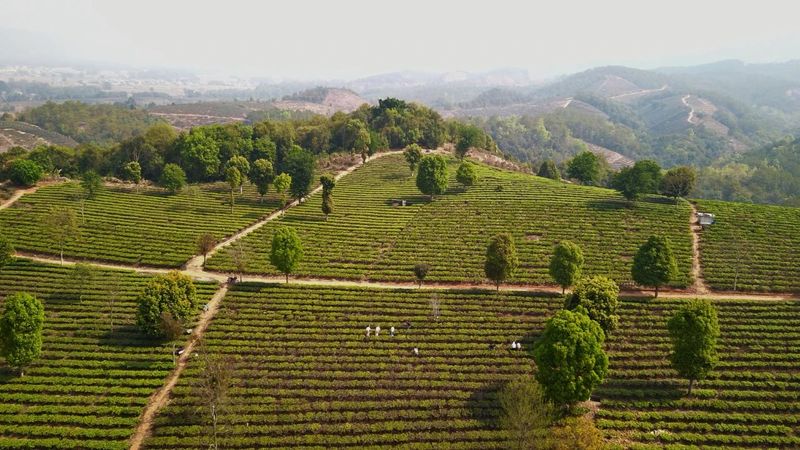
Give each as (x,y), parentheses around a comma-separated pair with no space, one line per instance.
(350,38)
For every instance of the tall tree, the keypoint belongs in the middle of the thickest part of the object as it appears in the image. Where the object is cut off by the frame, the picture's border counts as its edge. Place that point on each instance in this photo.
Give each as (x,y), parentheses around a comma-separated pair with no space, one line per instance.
(21,330)
(569,357)
(598,295)
(242,165)
(287,250)
(421,271)
(132,171)
(654,264)
(413,155)
(548,169)
(282,183)
(643,178)
(82,279)
(566,264)
(6,252)
(525,414)
(173,179)
(62,227)
(432,175)
(466,174)
(585,167)
(234,179)
(678,182)
(212,386)
(205,243)
(299,164)
(469,136)
(261,175)
(199,154)
(328,182)
(24,172)
(91,183)
(172,292)
(501,259)
(694,330)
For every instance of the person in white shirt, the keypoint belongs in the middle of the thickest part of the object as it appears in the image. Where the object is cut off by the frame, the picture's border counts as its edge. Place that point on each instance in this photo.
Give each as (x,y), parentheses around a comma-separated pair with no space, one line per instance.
(416,351)
(391,331)
(369,330)
(378,330)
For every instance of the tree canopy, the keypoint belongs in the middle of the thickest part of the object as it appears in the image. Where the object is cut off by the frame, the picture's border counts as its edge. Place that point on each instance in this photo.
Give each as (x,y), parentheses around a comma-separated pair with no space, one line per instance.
(466,174)
(566,264)
(432,175)
(569,357)
(300,165)
(23,172)
(261,175)
(643,178)
(654,263)
(585,167)
(501,259)
(678,182)
(21,330)
(6,252)
(694,329)
(172,293)
(286,251)
(548,169)
(598,295)
(413,155)
(173,178)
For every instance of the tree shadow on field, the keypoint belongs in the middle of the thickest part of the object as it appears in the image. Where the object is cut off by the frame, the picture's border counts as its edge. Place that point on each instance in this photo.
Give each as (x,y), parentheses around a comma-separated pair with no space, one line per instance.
(128,336)
(6,374)
(609,204)
(483,405)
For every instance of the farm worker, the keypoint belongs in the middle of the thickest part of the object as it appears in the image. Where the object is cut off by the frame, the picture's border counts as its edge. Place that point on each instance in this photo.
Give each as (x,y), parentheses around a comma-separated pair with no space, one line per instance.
(416,351)
(377,330)
(391,331)
(369,330)
(514,345)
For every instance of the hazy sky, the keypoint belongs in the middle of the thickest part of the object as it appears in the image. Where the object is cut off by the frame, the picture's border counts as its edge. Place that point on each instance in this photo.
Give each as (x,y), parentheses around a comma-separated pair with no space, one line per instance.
(340,38)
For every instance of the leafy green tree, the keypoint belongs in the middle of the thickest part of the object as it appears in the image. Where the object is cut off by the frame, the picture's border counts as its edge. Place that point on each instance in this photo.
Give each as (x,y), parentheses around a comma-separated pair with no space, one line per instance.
(62,227)
(262,175)
(172,293)
(525,414)
(466,174)
(576,433)
(21,330)
(282,183)
(6,252)
(566,264)
(287,250)
(569,357)
(432,175)
(242,165)
(300,165)
(91,183)
(501,259)
(421,271)
(23,172)
(377,143)
(678,182)
(132,171)
(694,330)
(328,182)
(413,155)
(654,264)
(599,296)
(548,169)
(469,136)
(585,167)
(199,154)
(173,179)
(234,179)
(643,178)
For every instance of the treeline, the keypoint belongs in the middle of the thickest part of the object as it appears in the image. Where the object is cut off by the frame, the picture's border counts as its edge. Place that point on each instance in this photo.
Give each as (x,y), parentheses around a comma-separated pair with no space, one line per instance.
(204,153)
(101,123)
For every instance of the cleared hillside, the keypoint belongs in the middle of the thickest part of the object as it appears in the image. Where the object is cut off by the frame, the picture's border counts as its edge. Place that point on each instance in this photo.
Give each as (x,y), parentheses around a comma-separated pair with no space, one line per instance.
(300,362)
(367,237)
(96,371)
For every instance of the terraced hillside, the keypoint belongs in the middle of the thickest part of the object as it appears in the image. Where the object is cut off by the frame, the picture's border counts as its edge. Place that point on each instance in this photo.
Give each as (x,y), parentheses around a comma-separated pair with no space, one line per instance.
(96,371)
(751,247)
(304,375)
(147,227)
(369,238)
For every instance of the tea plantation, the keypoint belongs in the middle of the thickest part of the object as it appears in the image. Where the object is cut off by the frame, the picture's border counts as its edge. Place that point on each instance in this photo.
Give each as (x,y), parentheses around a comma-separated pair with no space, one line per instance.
(147,227)
(751,247)
(367,237)
(304,374)
(97,370)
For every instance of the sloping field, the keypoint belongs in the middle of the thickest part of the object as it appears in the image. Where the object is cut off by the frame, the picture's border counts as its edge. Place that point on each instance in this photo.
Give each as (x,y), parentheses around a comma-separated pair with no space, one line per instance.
(754,247)
(304,375)
(96,371)
(28,136)
(369,238)
(751,400)
(148,227)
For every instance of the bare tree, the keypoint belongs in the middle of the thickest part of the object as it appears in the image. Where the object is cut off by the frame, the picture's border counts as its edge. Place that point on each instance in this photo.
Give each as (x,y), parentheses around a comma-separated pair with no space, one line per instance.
(62,226)
(241,259)
(172,330)
(205,243)
(212,386)
(113,291)
(82,278)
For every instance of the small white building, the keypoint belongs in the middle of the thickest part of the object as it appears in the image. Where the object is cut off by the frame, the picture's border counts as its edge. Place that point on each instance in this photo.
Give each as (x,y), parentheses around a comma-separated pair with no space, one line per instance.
(705,219)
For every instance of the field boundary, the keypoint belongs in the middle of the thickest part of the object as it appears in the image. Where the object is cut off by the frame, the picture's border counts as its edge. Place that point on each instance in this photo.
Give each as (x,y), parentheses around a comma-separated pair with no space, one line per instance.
(699,284)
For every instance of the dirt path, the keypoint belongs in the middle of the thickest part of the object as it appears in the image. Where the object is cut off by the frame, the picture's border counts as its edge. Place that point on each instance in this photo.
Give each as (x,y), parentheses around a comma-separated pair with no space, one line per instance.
(160,398)
(699,286)
(17,195)
(195,264)
(689,119)
(640,92)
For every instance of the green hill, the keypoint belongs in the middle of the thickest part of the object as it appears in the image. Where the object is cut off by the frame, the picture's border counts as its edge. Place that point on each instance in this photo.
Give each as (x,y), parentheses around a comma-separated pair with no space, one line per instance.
(367,237)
